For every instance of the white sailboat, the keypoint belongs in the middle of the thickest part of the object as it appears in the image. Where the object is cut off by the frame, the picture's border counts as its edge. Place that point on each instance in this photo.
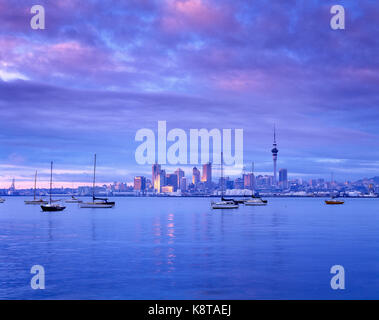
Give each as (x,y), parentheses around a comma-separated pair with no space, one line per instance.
(35,201)
(224,203)
(255,202)
(96,202)
(73,200)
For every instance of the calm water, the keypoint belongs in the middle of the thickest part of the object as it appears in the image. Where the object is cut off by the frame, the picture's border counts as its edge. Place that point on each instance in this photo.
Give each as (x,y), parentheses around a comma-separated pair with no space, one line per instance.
(162,248)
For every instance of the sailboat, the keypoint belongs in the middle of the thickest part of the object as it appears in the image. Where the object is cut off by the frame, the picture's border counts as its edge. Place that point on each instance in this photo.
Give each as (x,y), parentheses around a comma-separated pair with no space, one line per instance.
(255,201)
(224,203)
(97,202)
(52,206)
(73,200)
(35,201)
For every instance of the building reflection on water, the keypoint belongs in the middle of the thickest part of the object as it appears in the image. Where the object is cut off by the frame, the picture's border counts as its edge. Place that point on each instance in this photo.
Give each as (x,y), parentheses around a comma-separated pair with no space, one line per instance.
(164,240)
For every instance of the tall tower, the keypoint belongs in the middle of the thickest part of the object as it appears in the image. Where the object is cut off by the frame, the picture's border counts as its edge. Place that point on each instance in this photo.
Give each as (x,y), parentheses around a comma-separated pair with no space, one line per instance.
(274,156)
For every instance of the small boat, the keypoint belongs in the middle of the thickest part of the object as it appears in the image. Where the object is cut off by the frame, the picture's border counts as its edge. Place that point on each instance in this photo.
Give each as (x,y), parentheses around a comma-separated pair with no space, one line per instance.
(224,203)
(334,201)
(2,200)
(256,202)
(39,201)
(36,201)
(73,200)
(97,202)
(52,207)
(255,197)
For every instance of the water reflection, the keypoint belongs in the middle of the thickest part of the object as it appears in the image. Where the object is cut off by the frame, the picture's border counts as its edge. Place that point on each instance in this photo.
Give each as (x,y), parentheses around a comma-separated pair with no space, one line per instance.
(164,250)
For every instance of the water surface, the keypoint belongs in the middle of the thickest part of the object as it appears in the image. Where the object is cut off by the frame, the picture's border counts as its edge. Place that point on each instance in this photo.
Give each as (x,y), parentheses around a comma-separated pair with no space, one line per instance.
(179,248)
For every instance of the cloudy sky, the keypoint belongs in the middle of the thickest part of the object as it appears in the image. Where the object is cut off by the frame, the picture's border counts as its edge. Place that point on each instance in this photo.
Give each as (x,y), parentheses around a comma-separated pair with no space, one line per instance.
(101,70)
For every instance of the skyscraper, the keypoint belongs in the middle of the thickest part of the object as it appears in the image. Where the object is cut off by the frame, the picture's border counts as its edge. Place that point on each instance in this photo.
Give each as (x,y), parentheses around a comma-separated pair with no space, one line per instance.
(249,181)
(180,174)
(274,157)
(172,180)
(195,176)
(283,180)
(183,184)
(139,183)
(156,169)
(207,174)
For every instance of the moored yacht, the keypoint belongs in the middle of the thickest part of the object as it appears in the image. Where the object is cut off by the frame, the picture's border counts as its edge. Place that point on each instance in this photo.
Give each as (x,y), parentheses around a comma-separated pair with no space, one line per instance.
(224,203)
(97,202)
(255,202)
(51,207)
(334,201)
(35,200)
(73,200)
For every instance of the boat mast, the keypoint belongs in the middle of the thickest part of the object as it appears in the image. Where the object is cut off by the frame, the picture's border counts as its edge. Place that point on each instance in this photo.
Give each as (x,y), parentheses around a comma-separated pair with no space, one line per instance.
(51,179)
(94,177)
(35,185)
(222,175)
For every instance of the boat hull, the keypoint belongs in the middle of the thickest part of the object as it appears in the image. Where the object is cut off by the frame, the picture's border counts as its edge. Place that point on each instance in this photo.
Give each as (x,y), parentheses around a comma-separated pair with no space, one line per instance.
(96,205)
(255,203)
(334,202)
(35,202)
(48,208)
(224,205)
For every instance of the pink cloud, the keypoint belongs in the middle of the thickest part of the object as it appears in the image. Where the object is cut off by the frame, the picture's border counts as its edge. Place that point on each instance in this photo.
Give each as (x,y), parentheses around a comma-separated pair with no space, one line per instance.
(199,15)
(69,57)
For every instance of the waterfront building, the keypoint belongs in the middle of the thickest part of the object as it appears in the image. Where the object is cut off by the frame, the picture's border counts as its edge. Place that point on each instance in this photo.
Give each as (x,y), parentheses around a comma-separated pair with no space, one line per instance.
(172,180)
(249,181)
(183,184)
(167,189)
(283,179)
(238,183)
(139,183)
(207,175)
(179,174)
(156,169)
(195,176)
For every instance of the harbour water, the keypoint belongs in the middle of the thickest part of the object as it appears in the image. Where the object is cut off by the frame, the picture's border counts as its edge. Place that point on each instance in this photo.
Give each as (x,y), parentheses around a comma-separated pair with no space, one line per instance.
(179,248)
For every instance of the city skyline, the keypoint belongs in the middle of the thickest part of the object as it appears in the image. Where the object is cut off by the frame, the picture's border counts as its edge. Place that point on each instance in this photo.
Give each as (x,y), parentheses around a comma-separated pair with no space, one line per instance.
(86,85)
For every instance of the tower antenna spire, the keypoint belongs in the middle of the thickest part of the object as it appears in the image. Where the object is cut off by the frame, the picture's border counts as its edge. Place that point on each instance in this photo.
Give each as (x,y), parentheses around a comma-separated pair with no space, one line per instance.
(274,134)
(274,156)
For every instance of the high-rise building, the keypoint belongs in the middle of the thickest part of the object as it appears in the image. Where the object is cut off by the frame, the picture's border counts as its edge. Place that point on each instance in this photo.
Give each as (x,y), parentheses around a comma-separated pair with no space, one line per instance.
(183,184)
(283,179)
(238,183)
(274,157)
(172,180)
(179,174)
(207,174)
(195,176)
(249,181)
(139,183)
(156,169)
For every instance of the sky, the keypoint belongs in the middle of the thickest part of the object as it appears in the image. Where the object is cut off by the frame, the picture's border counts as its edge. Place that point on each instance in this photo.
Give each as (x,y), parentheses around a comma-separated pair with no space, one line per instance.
(101,70)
